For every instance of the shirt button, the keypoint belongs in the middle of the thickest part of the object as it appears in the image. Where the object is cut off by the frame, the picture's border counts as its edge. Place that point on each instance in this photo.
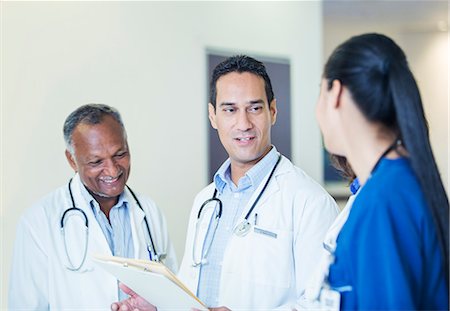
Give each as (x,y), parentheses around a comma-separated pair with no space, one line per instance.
(236,195)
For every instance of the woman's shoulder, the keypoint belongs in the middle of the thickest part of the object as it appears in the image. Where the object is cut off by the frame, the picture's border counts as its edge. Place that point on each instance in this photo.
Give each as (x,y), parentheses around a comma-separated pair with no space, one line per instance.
(393,190)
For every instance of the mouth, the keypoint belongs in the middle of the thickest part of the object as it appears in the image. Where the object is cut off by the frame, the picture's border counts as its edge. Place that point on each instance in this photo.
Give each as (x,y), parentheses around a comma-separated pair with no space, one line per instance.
(109,180)
(244,139)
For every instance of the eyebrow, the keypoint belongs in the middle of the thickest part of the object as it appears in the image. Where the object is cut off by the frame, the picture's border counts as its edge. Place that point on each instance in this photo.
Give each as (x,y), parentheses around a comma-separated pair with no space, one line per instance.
(227,104)
(251,102)
(256,101)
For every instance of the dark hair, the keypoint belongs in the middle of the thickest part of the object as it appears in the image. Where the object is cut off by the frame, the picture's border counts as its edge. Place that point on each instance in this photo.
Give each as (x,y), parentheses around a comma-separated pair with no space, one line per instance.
(375,71)
(341,164)
(240,63)
(88,114)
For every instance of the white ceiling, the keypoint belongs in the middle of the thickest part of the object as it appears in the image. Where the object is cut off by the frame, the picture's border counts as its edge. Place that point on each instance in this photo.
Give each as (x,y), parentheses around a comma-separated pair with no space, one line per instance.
(424,15)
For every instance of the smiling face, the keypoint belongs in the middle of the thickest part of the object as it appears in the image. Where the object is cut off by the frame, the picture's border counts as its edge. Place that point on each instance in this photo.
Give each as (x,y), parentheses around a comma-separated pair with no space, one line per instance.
(243,117)
(101,158)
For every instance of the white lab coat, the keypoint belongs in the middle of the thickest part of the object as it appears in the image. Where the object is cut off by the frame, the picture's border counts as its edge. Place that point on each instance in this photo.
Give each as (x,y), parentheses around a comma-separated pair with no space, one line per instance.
(259,271)
(311,298)
(39,279)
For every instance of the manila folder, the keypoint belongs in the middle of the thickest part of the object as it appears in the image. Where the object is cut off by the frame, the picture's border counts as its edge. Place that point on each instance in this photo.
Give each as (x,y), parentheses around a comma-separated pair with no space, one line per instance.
(153,281)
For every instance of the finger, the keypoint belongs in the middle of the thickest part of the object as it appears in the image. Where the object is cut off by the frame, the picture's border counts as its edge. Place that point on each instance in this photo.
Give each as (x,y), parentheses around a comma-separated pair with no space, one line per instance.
(123,307)
(126,289)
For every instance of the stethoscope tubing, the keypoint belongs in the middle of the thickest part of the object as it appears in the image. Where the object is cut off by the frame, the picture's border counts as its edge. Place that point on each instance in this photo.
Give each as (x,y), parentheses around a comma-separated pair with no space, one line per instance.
(263,189)
(214,198)
(156,256)
(245,222)
(71,267)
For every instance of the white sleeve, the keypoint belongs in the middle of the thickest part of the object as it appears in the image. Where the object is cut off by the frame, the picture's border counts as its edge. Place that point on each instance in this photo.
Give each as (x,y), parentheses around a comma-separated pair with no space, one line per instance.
(317,215)
(28,280)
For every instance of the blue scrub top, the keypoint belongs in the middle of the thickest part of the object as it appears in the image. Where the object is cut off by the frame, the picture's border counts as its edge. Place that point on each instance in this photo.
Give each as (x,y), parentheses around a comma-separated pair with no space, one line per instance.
(388,254)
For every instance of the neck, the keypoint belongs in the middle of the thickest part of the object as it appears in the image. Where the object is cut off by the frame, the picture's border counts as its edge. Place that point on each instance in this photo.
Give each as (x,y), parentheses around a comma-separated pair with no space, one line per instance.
(105,203)
(238,170)
(364,159)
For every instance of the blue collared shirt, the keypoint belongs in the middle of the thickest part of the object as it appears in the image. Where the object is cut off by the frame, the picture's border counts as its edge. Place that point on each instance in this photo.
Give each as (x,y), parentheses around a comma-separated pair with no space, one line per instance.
(235,200)
(117,230)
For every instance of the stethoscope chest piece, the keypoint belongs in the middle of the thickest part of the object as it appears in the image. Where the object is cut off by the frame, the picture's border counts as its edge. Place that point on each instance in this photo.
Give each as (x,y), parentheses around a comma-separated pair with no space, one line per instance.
(243,228)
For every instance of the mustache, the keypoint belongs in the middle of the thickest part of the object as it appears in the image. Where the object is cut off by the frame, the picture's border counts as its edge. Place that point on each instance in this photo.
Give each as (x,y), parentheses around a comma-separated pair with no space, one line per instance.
(109,178)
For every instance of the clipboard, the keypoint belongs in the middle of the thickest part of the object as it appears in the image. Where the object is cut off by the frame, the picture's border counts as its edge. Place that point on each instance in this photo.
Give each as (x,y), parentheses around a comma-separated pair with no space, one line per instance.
(151,280)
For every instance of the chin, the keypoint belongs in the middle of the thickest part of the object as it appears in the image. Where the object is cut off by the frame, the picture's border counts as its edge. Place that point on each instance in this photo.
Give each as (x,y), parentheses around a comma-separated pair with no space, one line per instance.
(108,194)
(335,151)
(105,195)
(249,159)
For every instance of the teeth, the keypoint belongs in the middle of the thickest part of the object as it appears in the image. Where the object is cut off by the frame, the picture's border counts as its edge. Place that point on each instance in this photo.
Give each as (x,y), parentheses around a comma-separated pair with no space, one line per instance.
(109,179)
(244,139)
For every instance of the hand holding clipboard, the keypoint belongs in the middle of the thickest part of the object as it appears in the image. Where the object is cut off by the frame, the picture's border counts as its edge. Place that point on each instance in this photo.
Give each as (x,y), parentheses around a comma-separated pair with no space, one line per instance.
(153,281)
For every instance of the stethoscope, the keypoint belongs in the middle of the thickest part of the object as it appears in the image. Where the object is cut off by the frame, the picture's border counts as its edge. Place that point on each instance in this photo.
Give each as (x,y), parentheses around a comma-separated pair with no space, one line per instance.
(241,229)
(150,246)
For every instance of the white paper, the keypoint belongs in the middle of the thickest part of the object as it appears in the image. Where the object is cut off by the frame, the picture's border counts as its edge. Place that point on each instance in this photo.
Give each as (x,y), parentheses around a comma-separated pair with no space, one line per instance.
(153,287)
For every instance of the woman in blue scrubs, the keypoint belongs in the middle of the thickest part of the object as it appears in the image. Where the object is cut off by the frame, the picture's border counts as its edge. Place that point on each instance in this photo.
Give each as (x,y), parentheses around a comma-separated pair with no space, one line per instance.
(392,252)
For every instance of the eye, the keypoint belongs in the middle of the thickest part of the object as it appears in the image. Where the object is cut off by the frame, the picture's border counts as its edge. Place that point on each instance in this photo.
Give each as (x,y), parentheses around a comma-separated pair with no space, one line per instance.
(95,163)
(228,109)
(255,108)
(121,154)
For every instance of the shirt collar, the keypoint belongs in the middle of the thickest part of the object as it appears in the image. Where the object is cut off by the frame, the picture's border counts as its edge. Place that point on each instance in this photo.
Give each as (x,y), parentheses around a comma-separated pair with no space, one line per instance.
(94,204)
(253,177)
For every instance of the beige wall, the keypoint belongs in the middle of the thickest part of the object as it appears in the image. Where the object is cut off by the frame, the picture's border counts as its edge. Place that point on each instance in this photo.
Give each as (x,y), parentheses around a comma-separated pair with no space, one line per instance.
(428,53)
(147,59)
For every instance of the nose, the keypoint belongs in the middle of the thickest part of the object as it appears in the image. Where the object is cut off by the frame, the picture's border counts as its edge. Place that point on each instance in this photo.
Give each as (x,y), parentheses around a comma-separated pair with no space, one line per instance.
(111,168)
(243,122)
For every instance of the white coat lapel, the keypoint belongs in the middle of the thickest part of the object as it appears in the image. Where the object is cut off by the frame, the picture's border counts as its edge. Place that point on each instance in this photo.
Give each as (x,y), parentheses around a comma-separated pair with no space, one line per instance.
(273,185)
(271,188)
(138,227)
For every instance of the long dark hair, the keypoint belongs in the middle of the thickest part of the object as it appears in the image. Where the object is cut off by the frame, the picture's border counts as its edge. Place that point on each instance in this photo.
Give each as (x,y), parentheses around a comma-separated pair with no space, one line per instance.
(375,70)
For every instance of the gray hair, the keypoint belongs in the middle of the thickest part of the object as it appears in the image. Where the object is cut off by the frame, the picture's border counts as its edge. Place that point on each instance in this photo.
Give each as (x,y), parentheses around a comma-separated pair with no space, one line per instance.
(88,114)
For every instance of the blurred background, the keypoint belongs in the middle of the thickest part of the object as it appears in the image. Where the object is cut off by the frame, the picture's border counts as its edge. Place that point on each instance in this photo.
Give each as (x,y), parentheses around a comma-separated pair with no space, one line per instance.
(151,60)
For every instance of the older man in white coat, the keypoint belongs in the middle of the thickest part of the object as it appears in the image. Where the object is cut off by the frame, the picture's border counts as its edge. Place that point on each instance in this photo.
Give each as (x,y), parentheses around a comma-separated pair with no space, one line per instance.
(257,247)
(94,213)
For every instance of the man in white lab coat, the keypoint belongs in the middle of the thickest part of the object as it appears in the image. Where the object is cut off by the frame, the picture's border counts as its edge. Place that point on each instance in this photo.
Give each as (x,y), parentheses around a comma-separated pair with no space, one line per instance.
(52,268)
(260,252)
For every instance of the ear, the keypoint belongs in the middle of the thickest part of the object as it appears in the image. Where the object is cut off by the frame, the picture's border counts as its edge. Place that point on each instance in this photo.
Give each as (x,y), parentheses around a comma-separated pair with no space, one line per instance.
(273,110)
(212,115)
(334,94)
(71,160)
